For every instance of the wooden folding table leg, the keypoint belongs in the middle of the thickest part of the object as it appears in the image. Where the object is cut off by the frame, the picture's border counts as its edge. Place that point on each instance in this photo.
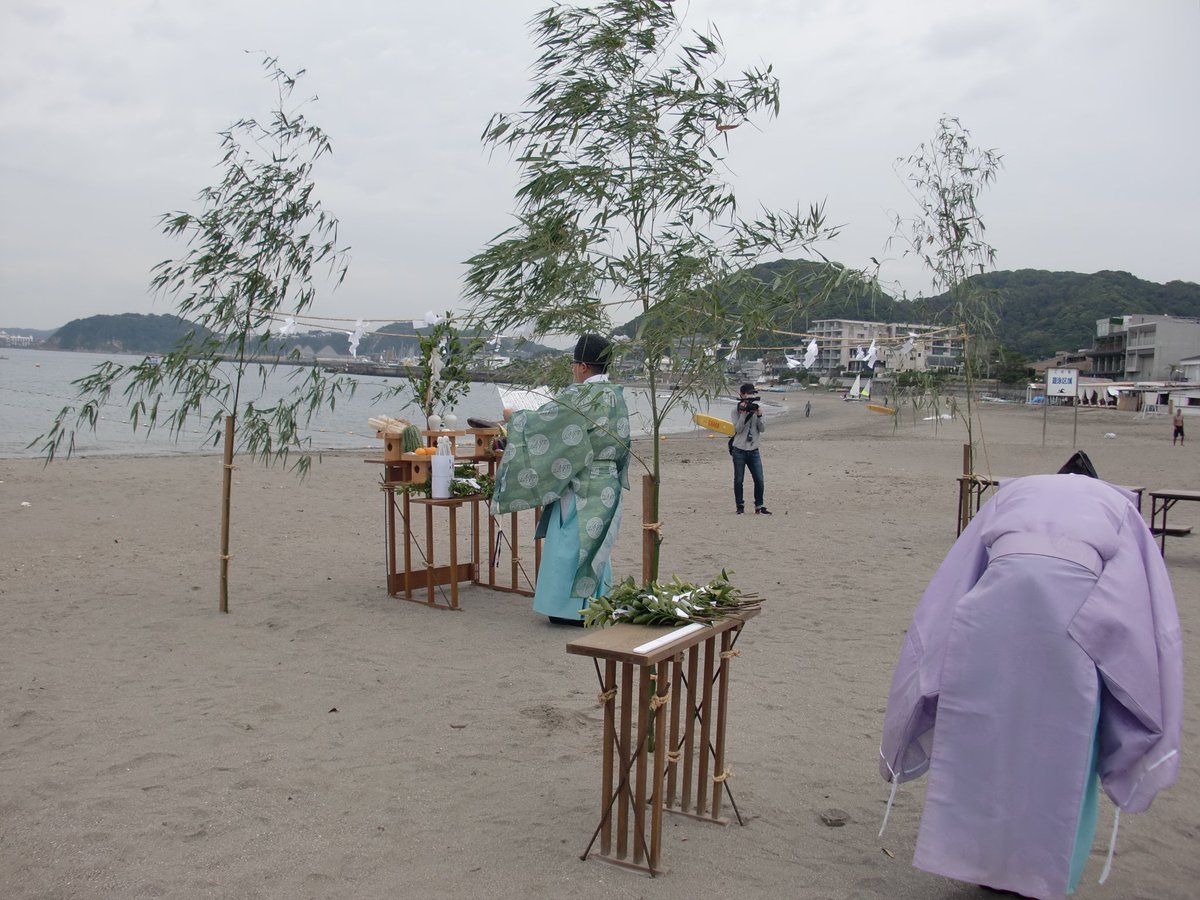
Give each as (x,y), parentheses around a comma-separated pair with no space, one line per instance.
(689,727)
(389,495)
(677,707)
(705,739)
(645,689)
(661,744)
(722,708)
(429,550)
(406,514)
(453,510)
(515,537)
(606,774)
(475,573)
(624,752)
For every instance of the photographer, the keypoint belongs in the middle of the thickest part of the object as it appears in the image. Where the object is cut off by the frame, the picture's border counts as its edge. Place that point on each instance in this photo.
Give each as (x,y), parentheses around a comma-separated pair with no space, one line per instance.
(743,446)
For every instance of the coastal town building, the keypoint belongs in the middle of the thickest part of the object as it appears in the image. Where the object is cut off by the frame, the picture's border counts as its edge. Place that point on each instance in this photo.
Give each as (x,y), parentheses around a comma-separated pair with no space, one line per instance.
(1144,347)
(15,340)
(901,347)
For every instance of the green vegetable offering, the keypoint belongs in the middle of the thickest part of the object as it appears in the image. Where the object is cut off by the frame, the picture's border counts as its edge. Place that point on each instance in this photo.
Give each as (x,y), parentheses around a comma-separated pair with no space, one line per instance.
(675,603)
(410,439)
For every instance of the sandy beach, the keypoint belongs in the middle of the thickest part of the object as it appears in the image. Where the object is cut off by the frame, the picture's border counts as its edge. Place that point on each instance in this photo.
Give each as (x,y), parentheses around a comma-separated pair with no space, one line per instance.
(326,740)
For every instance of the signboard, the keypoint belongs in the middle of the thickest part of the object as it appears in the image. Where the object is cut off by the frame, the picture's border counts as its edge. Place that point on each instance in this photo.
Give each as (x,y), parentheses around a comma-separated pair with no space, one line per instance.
(1062,382)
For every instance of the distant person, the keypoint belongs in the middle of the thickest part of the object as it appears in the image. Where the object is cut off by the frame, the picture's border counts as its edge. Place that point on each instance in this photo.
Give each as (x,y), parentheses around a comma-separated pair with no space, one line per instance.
(743,446)
(1045,660)
(807,408)
(571,457)
(1177,421)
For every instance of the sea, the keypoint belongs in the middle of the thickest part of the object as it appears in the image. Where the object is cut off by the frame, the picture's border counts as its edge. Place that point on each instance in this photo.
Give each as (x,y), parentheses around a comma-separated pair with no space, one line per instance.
(36,384)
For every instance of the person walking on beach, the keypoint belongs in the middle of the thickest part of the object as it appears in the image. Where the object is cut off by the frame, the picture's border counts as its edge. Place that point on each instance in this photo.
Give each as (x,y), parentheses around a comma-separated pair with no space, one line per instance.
(743,446)
(571,457)
(807,408)
(1177,421)
(1043,663)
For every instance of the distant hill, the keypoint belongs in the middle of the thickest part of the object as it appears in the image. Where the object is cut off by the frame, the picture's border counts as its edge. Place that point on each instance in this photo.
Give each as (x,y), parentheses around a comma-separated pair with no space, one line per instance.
(141,333)
(124,333)
(1040,312)
(1043,312)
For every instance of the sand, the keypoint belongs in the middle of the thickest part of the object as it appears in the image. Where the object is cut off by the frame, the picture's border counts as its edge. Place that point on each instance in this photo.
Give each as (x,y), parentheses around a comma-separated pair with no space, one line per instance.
(326,740)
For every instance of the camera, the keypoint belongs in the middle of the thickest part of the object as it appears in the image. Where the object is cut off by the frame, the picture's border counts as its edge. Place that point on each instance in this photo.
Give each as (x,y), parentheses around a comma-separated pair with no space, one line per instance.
(749,403)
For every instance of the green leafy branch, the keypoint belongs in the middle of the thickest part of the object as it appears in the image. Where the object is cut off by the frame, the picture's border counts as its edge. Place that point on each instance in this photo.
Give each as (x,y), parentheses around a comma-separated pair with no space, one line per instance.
(675,603)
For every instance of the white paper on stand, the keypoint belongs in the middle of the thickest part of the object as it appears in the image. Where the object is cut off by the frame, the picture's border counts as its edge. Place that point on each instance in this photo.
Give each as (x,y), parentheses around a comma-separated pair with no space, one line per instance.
(668,637)
(518,398)
(441,470)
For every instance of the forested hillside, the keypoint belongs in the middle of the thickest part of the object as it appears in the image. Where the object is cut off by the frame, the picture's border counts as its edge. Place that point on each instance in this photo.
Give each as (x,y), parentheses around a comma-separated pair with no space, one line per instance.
(1039,312)
(124,333)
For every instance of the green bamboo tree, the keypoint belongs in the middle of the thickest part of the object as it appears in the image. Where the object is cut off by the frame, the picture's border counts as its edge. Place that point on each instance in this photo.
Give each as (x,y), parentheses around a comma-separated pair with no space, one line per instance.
(946,177)
(253,254)
(621,209)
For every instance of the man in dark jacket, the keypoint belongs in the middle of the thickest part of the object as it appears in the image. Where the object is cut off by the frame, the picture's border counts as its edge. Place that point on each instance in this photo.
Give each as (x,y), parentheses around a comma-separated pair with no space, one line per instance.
(748,428)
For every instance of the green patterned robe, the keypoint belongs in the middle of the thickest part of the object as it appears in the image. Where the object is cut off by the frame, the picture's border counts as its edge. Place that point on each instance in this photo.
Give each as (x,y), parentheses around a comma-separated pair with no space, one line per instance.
(578,442)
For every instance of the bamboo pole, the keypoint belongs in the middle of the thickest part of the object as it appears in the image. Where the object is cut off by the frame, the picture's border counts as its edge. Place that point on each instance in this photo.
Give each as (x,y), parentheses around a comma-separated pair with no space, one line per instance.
(649,536)
(226,486)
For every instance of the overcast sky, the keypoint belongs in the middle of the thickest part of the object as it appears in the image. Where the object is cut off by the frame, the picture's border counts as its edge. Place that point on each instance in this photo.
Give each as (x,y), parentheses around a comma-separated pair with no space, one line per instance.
(109,114)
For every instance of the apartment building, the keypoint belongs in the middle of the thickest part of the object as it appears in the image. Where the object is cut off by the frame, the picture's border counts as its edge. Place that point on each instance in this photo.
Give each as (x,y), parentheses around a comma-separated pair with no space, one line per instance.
(1144,348)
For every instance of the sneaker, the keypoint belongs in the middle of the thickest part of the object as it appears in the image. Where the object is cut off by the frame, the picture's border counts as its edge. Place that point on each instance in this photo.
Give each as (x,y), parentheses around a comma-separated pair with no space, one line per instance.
(763,511)
(741,512)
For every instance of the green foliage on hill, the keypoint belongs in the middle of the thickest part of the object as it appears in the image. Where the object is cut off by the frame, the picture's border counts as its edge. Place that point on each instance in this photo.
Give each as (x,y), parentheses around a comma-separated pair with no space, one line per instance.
(124,333)
(1040,312)
(1044,312)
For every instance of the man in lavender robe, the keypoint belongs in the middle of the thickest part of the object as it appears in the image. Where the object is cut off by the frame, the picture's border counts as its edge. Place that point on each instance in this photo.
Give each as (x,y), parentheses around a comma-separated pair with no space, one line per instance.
(1045,656)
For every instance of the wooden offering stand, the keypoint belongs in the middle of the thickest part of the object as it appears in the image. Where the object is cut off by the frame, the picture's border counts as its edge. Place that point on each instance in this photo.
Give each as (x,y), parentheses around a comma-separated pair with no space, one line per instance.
(665,693)
(400,470)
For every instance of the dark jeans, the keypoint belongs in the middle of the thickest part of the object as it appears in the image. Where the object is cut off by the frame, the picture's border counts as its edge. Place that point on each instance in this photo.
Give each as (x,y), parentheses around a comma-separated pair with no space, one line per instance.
(742,460)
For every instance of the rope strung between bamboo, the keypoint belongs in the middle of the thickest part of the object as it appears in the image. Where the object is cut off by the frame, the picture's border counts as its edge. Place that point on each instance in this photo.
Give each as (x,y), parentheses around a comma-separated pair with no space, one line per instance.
(673,756)
(659,700)
(606,696)
(656,527)
(225,557)
(730,654)
(829,341)
(723,777)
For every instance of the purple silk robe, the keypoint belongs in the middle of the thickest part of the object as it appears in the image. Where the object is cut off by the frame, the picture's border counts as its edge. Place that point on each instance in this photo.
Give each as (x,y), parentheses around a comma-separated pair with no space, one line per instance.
(1053,602)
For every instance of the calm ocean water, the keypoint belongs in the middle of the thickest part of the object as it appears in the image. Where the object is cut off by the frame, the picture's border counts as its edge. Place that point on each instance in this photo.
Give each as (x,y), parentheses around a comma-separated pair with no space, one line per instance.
(36,384)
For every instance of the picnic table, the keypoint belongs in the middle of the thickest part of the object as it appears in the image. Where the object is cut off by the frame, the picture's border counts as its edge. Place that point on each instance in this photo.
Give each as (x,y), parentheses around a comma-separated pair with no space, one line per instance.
(971,489)
(1160,502)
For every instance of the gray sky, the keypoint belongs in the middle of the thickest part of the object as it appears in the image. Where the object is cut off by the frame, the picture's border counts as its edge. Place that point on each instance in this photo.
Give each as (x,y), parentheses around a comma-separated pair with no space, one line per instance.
(109,113)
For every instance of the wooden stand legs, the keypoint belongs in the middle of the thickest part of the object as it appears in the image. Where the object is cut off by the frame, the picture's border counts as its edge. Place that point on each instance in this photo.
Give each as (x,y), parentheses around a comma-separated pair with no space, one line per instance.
(663,748)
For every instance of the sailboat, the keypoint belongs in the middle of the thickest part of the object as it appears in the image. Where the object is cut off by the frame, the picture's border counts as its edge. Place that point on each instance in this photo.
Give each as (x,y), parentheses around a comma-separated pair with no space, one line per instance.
(859,391)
